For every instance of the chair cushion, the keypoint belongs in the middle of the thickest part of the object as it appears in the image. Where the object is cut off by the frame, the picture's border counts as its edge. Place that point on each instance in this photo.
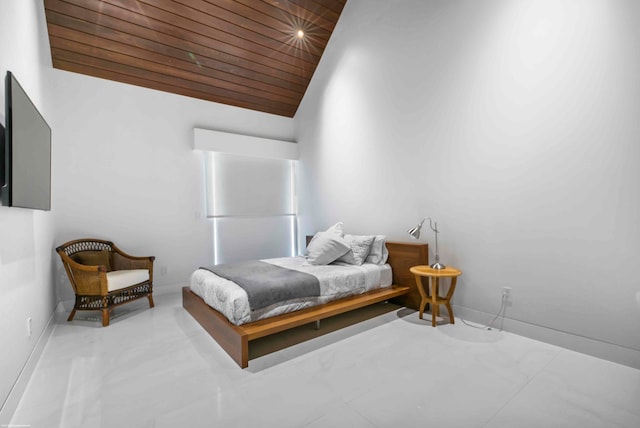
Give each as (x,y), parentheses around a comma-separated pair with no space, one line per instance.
(118,279)
(94,258)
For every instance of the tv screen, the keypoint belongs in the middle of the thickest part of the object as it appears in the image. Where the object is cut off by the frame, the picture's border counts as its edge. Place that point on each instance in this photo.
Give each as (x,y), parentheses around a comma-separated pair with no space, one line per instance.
(26,151)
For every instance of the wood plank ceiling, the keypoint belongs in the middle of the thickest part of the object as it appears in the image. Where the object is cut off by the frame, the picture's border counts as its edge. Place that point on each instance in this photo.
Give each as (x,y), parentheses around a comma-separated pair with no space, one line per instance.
(245,53)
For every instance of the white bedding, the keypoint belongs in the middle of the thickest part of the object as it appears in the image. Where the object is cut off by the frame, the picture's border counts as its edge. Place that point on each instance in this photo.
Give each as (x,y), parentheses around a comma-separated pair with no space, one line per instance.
(336,281)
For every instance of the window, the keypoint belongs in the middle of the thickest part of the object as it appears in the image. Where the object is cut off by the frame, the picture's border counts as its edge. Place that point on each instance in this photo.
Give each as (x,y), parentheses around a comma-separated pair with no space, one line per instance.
(252,202)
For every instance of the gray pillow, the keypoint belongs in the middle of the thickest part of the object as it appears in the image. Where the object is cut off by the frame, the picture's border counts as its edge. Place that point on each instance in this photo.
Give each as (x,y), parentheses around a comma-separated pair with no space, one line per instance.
(325,248)
(359,249)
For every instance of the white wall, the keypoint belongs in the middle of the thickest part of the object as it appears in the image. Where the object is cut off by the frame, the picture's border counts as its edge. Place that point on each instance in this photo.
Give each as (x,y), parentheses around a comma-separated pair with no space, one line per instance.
(26,236)
(514,124)
(125,170)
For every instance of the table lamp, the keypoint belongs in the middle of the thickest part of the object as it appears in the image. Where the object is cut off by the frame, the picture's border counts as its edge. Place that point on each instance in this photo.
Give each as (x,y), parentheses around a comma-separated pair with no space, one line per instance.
(415,233)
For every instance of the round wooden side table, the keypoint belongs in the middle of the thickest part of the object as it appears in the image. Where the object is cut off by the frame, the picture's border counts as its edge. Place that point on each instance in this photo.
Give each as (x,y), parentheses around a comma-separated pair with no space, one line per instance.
(433,298)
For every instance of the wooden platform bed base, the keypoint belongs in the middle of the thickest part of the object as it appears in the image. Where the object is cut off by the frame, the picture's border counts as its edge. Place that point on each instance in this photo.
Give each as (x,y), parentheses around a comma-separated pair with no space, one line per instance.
(235,339)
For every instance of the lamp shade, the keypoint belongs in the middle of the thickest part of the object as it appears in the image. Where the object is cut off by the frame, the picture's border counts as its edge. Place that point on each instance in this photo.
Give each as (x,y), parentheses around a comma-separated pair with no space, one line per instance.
(415,231)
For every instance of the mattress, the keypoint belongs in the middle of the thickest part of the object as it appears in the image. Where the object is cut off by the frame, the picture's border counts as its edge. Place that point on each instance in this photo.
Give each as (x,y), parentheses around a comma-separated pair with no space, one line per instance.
(337,280)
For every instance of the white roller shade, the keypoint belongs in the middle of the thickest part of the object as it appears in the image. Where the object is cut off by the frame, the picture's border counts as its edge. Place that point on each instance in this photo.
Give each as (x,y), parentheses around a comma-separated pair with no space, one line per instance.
(252,202)
(249,186)
(253,238)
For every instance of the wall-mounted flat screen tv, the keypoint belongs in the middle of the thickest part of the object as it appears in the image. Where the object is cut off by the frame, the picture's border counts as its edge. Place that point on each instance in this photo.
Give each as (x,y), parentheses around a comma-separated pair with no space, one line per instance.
(25,174)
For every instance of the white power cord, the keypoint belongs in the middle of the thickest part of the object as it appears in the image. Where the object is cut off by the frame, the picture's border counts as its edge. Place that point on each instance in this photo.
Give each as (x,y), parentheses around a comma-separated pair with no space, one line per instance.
(489,326)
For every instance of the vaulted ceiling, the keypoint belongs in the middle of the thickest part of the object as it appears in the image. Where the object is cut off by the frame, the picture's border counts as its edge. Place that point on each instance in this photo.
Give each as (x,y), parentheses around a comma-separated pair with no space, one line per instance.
(245,53)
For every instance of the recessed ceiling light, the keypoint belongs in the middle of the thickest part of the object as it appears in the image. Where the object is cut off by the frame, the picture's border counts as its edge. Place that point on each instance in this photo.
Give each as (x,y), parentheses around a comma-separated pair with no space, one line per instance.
(300,34)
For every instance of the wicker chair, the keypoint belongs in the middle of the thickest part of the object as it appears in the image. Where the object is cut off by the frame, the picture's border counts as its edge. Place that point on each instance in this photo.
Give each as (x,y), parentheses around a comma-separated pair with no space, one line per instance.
(103,276)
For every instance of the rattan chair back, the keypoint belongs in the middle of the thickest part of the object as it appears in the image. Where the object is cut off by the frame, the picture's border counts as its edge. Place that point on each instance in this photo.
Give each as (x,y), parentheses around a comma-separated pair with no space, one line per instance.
(79,245)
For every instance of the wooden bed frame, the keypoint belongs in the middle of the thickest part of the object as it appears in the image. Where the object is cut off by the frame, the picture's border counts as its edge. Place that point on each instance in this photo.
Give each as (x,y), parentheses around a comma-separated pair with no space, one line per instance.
(235,339)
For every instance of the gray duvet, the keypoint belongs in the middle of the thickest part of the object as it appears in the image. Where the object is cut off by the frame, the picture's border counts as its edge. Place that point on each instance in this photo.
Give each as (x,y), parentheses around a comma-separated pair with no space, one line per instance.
(266,283)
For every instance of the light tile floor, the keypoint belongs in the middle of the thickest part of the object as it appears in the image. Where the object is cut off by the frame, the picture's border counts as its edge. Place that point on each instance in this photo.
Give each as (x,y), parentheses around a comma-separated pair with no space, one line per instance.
(378,367)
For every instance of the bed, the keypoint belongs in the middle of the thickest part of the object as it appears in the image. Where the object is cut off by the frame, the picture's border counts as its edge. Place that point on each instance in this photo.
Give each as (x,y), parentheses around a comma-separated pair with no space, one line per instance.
(235,339)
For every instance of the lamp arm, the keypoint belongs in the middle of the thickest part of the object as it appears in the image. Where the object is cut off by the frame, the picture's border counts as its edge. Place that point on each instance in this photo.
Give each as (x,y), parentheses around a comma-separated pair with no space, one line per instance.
(435,229)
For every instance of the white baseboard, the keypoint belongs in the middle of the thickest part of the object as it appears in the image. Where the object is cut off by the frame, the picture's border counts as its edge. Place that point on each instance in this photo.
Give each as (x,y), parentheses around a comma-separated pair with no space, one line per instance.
(607,351)
(168,288)
(12,401)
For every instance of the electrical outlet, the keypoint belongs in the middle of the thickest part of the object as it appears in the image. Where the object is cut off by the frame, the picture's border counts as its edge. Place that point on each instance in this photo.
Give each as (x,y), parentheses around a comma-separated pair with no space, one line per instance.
(506,291)
(29,330)
(163,270)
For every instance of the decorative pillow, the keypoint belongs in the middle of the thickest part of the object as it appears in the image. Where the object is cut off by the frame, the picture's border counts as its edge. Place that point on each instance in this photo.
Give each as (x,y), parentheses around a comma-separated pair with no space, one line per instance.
(359,249)
(336,229)
(325,248)
(95,258)
(379,253)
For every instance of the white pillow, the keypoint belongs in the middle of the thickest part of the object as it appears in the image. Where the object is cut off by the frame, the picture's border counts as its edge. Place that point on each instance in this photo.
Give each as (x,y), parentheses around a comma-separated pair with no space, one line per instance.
(379,253)
(336,229)
(325,247)
(359,249)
